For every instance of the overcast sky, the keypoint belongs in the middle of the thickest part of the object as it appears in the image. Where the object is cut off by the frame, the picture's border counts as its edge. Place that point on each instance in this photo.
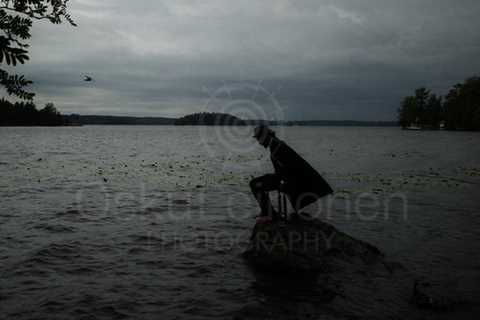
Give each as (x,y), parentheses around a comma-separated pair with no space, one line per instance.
(312,59)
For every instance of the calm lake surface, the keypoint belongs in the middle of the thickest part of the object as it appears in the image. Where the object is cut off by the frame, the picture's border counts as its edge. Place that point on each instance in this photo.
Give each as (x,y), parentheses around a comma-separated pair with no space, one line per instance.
(103,222)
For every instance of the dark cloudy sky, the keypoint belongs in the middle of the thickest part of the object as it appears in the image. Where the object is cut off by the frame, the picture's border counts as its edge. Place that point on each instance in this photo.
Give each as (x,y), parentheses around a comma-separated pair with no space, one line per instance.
(312,59)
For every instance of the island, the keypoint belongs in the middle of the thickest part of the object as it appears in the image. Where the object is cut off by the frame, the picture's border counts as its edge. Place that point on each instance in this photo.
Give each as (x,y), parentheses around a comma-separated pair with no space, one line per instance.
(210,119)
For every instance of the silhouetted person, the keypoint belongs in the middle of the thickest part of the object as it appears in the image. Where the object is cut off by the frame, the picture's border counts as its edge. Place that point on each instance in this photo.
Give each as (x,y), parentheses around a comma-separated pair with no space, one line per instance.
(293,176)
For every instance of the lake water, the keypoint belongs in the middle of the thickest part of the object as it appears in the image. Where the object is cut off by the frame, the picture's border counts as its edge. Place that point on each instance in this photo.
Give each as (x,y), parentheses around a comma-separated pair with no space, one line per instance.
(102,222)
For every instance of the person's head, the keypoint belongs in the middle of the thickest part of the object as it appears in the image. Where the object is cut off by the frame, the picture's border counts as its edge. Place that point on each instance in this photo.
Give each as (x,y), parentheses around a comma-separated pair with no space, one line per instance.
(263,134)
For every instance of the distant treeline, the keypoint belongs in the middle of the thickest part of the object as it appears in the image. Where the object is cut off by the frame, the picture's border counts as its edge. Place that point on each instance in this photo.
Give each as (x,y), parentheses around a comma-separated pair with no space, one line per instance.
(342,123)
(210,119)
(213,118)
(117,120)
(27,114)
(458,110)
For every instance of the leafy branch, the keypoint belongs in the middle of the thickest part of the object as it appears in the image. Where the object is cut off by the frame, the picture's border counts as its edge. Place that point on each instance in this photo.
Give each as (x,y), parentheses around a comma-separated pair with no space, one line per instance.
(15,24)
(14,84)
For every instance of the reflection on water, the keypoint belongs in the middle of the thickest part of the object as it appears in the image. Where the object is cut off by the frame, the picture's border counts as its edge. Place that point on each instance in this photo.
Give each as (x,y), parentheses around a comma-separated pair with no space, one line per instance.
(142,222)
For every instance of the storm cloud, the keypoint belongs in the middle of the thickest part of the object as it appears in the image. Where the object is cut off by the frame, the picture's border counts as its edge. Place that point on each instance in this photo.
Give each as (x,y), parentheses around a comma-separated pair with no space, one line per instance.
(282,59)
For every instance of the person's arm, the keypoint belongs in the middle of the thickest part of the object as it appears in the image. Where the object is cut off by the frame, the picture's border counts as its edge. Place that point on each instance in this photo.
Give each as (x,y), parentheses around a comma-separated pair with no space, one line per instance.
(276,156)
(276,165)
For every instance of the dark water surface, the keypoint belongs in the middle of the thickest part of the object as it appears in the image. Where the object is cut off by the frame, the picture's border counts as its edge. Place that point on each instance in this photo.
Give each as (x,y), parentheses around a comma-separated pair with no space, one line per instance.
(149,222)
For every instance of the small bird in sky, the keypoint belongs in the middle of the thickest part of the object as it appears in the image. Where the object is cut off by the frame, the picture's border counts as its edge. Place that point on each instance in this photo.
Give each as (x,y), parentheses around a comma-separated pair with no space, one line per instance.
(88,78)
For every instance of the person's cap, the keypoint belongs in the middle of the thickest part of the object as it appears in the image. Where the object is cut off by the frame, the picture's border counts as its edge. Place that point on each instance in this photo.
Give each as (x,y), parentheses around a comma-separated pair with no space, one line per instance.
(261,130)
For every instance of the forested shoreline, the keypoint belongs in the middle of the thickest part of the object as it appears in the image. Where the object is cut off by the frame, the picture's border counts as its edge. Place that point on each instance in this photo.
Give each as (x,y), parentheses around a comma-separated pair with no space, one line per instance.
(27,114)
(459,109)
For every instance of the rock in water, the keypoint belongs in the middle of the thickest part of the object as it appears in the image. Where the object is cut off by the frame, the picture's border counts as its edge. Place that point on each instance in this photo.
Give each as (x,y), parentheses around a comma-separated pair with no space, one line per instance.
(305,245)
(361,283)
(353,276)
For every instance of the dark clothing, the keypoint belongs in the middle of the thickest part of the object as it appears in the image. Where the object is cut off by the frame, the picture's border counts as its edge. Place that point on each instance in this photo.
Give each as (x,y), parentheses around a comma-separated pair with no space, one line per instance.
(298,180)
(260,187)
(303,184)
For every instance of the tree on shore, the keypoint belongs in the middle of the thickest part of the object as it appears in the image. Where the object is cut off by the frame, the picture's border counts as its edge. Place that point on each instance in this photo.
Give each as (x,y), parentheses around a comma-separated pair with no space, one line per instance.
(433,112)
(25,113)
(460,110)
(422,96)
(423,109)
(16,18)
(407,114)
(49,115)
(462,106)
